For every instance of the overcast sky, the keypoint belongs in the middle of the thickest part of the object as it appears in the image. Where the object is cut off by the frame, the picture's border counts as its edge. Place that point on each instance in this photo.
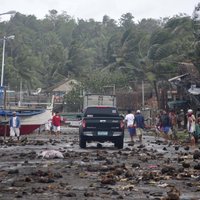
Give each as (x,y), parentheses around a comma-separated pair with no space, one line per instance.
(96,9)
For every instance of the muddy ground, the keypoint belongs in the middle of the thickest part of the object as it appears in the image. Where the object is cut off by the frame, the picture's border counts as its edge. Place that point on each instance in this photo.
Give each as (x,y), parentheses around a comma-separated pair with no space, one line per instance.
(152,170)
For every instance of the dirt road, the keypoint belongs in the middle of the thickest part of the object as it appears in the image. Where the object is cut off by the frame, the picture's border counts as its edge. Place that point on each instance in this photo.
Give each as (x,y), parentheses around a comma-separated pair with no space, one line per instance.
(150,170)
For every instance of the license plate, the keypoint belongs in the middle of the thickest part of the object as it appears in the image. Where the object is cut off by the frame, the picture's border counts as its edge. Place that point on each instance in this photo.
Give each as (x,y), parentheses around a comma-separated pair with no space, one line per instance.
(102,133)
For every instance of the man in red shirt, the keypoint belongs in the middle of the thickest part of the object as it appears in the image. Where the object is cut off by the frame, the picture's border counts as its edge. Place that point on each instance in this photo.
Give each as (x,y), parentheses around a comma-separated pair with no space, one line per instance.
(56,122)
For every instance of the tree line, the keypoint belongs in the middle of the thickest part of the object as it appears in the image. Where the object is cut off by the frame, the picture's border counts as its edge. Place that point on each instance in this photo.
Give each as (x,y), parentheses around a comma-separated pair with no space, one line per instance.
(109,52)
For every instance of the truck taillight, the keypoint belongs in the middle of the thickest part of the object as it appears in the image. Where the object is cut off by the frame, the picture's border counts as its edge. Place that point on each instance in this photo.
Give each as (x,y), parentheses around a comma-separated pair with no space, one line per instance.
(83,123)
(121,124)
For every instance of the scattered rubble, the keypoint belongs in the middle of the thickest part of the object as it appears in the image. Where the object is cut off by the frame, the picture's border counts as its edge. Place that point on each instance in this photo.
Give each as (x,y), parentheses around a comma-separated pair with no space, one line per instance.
(152,170)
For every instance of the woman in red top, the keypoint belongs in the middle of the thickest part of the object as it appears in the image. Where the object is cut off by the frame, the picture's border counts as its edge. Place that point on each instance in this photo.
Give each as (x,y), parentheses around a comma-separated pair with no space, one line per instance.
(56,122)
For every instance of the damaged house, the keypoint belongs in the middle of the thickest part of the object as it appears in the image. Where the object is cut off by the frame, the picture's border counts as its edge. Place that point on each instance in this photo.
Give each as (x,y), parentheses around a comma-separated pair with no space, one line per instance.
(187,87)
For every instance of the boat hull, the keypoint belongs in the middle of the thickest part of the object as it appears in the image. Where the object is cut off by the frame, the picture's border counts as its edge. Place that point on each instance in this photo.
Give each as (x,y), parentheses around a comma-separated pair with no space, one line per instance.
(21,113)
(28,124)
(24,129)
(30,120)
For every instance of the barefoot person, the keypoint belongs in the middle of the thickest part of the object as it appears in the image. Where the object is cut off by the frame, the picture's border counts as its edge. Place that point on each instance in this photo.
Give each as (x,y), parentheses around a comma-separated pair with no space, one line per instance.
(14,124)
(129,119)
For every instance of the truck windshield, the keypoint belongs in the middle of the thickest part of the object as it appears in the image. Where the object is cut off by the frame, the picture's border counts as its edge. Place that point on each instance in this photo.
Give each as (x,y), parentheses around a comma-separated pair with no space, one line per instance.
(101,111)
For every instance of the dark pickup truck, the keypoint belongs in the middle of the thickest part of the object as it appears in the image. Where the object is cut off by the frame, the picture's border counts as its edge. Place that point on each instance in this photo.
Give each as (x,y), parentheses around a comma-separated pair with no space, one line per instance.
(101,124)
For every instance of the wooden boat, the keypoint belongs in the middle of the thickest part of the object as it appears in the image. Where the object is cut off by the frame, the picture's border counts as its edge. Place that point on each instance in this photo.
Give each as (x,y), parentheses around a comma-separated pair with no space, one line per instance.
(20,113)
(29,121)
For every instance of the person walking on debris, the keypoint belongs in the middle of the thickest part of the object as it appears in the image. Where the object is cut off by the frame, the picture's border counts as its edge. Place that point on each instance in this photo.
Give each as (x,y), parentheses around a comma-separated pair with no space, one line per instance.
(173,123)
(197,130)
(129,119)
(191,125)
(56,122)
(180,119)
(14,123)
(165,125)
(139,123)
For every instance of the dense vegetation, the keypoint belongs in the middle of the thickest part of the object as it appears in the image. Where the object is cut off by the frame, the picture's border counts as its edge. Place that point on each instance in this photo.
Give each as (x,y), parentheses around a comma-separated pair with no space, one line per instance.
(97,53)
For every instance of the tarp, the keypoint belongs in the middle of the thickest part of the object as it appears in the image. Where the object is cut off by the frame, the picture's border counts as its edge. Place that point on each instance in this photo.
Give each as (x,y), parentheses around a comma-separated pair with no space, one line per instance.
(177,104)
(194,90)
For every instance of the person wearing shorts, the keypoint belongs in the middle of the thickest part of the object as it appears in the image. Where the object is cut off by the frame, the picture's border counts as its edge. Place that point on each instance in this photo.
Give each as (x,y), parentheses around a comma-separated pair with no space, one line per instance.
(129,119)
(14,124)
(139,122)
(166,125)
(56,122)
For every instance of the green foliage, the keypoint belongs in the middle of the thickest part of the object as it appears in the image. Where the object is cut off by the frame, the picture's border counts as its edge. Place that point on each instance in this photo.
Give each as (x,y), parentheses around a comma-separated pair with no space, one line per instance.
(96,81)
(73,100)
(97,53)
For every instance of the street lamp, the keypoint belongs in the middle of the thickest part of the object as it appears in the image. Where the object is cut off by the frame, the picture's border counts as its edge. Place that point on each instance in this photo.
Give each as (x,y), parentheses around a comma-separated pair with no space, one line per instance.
(9,12)
(3,55)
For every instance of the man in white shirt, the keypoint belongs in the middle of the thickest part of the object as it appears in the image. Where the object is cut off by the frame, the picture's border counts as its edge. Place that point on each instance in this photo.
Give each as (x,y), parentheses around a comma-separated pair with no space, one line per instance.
(129,119)
(14,124)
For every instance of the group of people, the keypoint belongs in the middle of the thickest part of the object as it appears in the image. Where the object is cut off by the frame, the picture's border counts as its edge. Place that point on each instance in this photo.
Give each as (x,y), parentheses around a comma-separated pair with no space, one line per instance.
(168,123)
(135,124)
(15,124)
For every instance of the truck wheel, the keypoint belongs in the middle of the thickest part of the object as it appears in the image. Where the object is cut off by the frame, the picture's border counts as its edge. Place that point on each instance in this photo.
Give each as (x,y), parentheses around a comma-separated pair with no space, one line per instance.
(82,142)
(119,143)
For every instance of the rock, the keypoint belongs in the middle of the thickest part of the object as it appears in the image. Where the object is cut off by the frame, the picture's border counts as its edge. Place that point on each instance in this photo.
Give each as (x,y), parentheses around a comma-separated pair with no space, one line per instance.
(108,179)
(180,159)
(1,141)
(173,194)
(186,164)
(187,148)
(141,146)
(85,159)
(24,140)
(118,171)
(196,155)
(176,148)
(197,166)
(45,180)
(18,184)
(13,171)
(92,168)
(169,170)
(26,162)
(109,161)
(37,190)
(40,143)
(89,194)
(135,165)
(27,179)
(70,194)
(129,174)
(114,192)
(180,169)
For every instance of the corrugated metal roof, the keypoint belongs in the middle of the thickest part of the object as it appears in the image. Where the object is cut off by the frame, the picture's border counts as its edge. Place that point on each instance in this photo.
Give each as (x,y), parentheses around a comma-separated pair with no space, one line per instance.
(66,86)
